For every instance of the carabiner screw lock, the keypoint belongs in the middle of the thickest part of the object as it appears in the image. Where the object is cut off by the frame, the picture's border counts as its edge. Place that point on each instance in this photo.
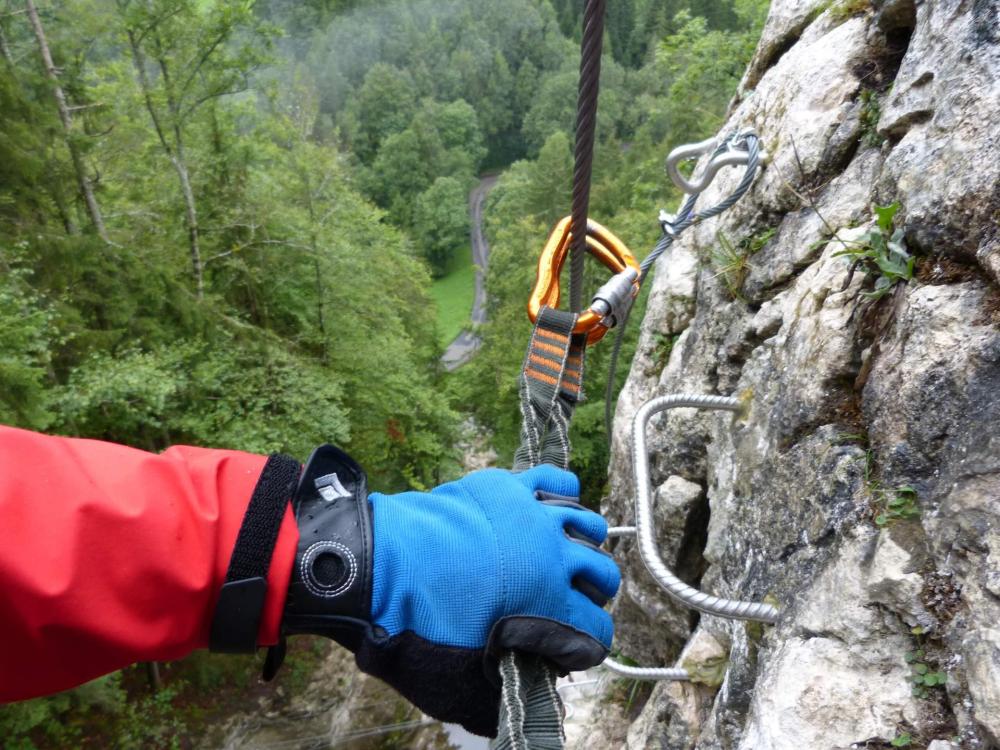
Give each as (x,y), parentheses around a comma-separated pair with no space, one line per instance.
(613,300)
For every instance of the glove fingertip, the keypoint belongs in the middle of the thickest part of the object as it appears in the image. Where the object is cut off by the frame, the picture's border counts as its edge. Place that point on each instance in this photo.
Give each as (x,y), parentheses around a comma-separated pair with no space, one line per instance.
(582,521)
(614,578)
(597,622)
(552,479)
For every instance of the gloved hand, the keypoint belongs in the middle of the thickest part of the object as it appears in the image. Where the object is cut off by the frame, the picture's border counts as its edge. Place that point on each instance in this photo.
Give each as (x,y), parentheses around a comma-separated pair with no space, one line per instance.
(428,588)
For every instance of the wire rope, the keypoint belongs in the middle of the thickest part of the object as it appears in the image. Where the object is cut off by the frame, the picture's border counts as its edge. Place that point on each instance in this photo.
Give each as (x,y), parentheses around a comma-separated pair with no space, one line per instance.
(586,126)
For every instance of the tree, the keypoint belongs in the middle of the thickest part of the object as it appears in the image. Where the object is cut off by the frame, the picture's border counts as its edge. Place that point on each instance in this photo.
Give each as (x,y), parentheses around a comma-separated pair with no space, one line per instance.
(703,68)
(620,25)
(25,349)
(82,180)
(554,107)
(25,161)
(442,140)
(538,189)
(383,106)
(458,128)
(185,55)
(441,222)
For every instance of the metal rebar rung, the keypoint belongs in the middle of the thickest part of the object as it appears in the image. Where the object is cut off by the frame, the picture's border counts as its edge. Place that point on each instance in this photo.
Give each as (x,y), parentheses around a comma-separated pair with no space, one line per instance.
(614,531)
(674,674)
(687,595)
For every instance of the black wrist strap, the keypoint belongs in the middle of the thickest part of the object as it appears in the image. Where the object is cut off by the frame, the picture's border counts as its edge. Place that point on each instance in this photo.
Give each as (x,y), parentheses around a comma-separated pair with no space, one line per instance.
(241,601)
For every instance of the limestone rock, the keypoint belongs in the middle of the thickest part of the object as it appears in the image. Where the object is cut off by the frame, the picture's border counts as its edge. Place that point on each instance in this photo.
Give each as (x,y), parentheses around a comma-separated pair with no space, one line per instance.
(982,658)
(676,710)
(943,110)
(859,409)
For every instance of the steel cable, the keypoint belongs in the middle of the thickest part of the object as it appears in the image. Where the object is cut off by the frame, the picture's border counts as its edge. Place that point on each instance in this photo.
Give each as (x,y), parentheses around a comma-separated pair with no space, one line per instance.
(537,713)
(586,125)
(685,218)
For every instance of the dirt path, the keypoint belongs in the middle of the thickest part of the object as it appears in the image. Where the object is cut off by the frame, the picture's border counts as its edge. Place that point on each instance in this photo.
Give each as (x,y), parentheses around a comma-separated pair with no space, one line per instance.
(467,342)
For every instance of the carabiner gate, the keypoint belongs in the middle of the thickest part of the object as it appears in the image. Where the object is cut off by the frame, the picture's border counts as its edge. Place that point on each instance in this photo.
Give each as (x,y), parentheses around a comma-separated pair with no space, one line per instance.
(611,300)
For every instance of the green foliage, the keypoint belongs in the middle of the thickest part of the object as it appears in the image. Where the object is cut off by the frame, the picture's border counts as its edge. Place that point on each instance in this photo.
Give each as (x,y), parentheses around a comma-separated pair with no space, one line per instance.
(479,51)
(732,262)
(538,190)
(383,106)
(922,675)
(881,253)
(23,725)
(899,504)
(25,348)
(889,504)
(19,722)
(902,740)
(871,112)
(704,68)
(554,106)
(441,222)
(253,398)
(440,141)
(120,711)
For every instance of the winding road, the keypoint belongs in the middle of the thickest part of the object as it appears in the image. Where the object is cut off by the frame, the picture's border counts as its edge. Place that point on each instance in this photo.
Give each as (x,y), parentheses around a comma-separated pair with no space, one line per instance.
(467,342)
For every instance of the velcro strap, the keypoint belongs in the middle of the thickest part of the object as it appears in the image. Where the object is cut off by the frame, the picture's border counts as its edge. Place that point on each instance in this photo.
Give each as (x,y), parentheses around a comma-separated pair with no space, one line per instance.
(241,601)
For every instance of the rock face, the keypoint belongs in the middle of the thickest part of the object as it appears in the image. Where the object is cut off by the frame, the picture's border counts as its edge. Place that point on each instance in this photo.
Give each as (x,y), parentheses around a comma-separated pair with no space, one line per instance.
(337,706)
(861,489)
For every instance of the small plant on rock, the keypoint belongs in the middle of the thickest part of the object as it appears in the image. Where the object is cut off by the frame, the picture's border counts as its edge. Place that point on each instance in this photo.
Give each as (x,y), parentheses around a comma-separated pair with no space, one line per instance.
(881,253)
(889,504)
(732,261)
(922,675)
(900,505)
(871,112)
(841,10)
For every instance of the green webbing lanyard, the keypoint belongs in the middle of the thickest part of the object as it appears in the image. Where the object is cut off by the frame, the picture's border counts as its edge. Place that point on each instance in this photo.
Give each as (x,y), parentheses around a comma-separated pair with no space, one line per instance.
(551,383)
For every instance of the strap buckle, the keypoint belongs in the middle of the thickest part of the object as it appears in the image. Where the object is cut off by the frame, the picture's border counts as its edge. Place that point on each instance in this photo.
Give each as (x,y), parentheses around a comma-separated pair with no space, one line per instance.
(611,300)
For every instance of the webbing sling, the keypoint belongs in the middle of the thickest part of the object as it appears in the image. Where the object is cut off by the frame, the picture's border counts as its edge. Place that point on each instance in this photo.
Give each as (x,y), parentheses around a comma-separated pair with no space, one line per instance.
(551,384)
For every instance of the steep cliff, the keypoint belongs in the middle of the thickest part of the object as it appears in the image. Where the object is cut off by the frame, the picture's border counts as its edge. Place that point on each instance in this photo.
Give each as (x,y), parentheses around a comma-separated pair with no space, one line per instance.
(861,489)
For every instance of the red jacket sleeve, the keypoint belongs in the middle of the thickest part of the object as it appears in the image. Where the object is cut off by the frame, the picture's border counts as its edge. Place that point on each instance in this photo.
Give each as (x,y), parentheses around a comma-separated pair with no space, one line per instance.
(110,555)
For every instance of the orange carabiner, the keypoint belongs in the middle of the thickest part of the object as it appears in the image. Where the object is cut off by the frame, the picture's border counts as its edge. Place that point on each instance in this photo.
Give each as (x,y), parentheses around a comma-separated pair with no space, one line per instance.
(604,246)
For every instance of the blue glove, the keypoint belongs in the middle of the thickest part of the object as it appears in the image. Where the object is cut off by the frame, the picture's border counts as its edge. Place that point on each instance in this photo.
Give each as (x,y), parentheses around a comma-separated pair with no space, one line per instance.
(491,562)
